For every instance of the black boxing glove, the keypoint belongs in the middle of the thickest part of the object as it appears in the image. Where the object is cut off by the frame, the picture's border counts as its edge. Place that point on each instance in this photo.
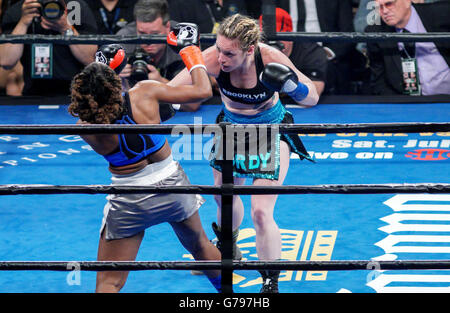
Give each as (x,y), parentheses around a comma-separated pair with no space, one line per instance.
(112,55)
(184,38)
(280,78)
(183,35)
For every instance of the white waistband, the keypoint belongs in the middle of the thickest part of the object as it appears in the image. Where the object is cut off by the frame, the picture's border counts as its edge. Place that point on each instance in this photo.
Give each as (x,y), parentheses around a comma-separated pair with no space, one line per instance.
(150,174)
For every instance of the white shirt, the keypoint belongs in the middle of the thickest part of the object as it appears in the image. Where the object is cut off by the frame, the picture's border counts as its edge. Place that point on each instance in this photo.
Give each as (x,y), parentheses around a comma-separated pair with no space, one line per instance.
(293,12)
(312,21)
(434,73)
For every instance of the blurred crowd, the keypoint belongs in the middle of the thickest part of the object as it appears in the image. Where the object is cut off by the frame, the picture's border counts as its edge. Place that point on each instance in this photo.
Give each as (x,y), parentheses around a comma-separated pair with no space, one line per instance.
(336,68)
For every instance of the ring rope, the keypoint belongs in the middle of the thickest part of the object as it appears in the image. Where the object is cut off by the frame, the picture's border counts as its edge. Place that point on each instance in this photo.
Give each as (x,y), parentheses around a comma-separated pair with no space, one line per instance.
(409,127)
(432,188)
(333,265)
(210,38)
(226,263)
(228,189)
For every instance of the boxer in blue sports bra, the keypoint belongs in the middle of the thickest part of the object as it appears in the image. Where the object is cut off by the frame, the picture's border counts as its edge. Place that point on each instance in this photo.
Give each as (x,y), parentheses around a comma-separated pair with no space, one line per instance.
(133,148)
(141,159)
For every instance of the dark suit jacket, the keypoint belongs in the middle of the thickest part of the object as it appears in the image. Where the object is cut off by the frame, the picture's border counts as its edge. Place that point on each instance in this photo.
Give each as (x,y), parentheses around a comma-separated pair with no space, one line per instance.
(385,59)
(333,15)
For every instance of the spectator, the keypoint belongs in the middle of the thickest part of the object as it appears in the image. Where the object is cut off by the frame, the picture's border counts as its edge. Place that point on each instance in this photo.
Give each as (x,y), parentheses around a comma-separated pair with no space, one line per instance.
(367,13)
(327,16)
(112,15)
(152,18)
(308,57)
(428,62)
(11,81)
(162,63)
(47,68)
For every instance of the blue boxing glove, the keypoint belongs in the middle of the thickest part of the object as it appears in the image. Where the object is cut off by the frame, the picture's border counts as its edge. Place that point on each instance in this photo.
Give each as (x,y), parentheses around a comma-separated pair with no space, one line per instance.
(280,78)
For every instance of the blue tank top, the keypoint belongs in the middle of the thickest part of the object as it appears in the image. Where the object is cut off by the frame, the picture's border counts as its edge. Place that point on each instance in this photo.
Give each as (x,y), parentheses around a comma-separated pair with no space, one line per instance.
(133,147)
(257,94)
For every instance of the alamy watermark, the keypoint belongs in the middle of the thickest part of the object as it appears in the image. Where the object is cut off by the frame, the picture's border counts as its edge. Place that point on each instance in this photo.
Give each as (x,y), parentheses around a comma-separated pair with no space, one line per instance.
(250,146)
(74,13)
(375,268)
(373,16)
(74,276)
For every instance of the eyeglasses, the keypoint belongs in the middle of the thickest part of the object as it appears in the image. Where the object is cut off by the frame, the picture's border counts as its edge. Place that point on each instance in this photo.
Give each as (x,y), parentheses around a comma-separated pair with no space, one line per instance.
(389,5)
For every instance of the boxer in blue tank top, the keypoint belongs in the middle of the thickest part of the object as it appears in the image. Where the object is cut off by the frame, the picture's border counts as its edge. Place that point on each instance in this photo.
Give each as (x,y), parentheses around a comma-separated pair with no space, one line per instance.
(141,159)
(133,148)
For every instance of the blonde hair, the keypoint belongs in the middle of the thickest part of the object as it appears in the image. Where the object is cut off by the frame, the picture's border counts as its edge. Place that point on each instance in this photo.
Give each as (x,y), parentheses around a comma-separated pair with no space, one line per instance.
(243,28)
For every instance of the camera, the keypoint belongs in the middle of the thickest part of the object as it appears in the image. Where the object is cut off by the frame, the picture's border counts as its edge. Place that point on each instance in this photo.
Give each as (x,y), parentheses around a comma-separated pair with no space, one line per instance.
(52,9)
(139,61)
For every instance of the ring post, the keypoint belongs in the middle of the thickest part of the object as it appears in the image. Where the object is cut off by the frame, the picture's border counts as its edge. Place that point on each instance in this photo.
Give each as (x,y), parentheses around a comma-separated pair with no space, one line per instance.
(227,209)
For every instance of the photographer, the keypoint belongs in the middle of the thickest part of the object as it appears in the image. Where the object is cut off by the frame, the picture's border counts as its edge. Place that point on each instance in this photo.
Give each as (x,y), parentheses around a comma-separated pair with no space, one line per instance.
(151,18)
(151,61)
(48,68)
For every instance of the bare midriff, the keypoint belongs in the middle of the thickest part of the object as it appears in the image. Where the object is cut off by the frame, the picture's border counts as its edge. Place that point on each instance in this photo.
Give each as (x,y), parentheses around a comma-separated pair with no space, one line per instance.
(249,109)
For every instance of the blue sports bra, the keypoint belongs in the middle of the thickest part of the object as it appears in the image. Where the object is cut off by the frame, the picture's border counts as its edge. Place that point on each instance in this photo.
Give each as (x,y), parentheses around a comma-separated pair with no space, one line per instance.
(257,94)
(133,147)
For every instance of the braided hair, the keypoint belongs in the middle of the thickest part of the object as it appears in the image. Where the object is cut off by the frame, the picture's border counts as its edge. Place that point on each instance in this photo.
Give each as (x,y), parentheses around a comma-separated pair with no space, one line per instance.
(96,95)
(243,28)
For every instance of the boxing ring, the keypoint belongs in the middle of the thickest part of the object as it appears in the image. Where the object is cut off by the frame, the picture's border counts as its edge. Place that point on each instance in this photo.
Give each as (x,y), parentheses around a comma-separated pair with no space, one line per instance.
(354,205)
(370,216)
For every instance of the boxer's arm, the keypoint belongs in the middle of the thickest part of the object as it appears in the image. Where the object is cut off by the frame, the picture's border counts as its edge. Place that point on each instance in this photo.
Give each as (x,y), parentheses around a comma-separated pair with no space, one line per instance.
(272,55)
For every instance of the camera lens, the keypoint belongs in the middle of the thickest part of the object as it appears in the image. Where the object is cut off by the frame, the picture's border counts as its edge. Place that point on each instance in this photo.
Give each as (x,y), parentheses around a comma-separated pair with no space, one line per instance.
(52,9)
(139,61)
(139,71)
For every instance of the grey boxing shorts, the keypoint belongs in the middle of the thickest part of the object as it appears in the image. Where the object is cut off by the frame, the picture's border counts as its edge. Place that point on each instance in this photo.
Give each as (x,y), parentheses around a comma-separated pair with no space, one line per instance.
(126,215)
